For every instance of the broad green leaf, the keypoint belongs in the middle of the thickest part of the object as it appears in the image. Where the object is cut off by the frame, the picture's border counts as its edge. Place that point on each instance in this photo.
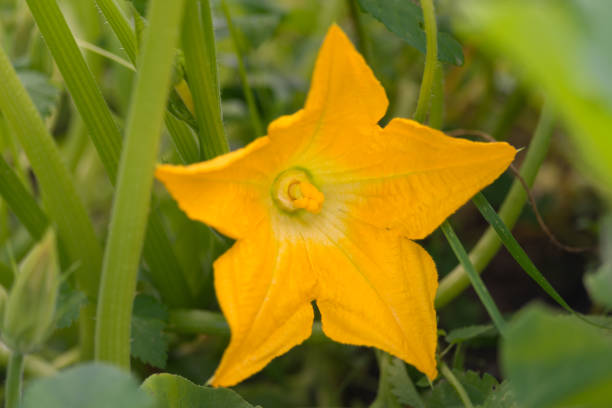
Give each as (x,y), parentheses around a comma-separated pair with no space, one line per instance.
(564,48)
(405,19)
(469,332)
(149,342)
(69,303)
(599,284)
(478,388)
(558,361)
(173,391)
(402,386)
(43,92)
(501,397)
(90,385)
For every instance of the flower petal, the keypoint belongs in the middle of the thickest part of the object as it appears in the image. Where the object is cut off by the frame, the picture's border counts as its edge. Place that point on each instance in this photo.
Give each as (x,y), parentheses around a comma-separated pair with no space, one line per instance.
(377,289)
(409,177)
(230,192)
(264,286)
(343,87)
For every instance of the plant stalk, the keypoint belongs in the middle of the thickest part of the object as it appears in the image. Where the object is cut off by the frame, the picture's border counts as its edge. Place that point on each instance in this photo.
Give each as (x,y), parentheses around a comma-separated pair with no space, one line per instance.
(431,61)
(134,183)
(14,374)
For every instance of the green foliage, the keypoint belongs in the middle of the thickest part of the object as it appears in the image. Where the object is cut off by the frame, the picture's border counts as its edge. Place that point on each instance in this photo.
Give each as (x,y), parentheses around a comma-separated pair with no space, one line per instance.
(562,47)
(149,341)
(43,92)
(599,283)
(402,386)
(405,19)
(69,304)
(464,334)
(501,397)
(29,313)
(557,361)
(478,388)
(173,391)
(89,385)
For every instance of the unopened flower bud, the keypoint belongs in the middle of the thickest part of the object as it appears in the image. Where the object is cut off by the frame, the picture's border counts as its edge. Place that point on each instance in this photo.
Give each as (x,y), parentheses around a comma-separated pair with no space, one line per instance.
(29,311)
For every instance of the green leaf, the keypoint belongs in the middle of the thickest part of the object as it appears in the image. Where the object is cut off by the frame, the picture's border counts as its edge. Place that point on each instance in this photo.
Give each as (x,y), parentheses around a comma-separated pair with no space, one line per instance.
(405,19)
(443,395)
(562,47)
(402,386)
(69,303)
(173,391)
(599,284)
(554,360)
(43,92)
(501,397)
(149,342)
(463,334)
(90,385)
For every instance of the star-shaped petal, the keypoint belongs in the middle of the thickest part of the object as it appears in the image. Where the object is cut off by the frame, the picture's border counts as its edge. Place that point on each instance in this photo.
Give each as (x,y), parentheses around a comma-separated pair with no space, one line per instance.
(324,209)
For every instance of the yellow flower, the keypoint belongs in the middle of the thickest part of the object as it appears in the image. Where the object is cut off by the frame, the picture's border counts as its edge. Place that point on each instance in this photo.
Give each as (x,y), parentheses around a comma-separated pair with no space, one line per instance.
(324,208)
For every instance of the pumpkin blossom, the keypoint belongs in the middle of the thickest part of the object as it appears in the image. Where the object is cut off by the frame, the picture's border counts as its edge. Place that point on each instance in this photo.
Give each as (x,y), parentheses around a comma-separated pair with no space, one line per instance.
(325,208)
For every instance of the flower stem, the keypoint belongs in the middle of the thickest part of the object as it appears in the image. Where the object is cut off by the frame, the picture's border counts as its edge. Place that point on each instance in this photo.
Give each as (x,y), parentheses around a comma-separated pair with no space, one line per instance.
(248,92)
(485,249)
(134,183)
(14,374)
(431,61)
(450,377)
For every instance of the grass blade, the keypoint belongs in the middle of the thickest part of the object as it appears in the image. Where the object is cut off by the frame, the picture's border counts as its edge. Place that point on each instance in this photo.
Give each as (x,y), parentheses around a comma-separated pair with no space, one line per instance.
(515,249)
(477,283)
(132,198)
(488,245)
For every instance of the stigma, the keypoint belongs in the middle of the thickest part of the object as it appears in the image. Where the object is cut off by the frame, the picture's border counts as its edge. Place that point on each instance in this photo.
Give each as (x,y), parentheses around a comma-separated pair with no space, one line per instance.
(293,190)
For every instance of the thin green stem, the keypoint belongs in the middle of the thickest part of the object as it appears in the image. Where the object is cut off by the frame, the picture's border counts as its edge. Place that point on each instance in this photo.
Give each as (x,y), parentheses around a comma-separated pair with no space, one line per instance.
(477,283)
(14,374)
(487,246)
(104,53)
(431,61)
(201,69)
(33,366)
(121,27)
(195,321)
(134,183)
(450,377)
(246,87)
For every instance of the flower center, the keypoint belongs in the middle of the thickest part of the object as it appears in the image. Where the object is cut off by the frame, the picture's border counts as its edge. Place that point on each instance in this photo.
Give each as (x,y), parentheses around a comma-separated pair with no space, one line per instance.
(293,190)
